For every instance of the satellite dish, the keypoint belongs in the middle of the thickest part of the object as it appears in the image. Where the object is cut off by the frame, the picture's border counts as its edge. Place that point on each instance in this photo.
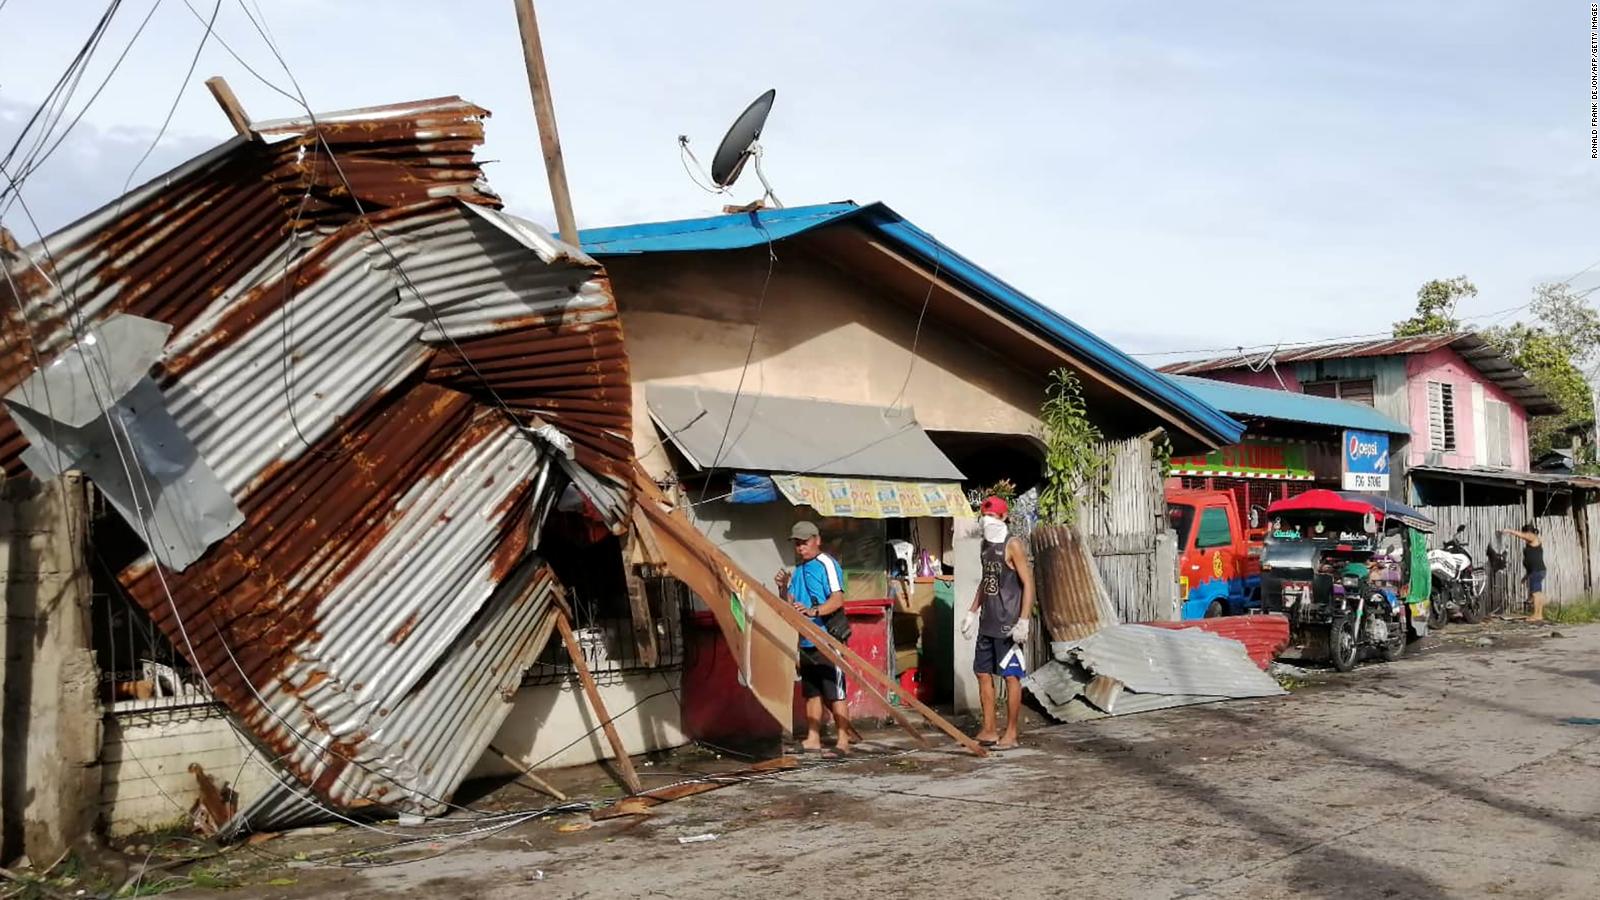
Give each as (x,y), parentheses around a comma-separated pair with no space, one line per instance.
(739,144)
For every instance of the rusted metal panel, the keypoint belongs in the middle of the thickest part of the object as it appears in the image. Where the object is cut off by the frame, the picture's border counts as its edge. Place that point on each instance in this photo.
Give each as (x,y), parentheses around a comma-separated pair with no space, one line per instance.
(387,378)
(1263,637)
(1072,597)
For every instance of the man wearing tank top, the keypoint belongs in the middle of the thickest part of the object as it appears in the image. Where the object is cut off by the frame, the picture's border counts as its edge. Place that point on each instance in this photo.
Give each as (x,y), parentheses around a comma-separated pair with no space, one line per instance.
(1002,617)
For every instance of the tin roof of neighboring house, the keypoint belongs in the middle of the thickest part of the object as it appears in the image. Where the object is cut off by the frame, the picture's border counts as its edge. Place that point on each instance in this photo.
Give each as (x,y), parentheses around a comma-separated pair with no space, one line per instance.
(757,228)
(1479,353)
(1288,406)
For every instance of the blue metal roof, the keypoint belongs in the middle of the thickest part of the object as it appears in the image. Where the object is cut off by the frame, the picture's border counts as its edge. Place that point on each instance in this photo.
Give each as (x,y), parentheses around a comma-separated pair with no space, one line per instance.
(751,229)
(1287,406)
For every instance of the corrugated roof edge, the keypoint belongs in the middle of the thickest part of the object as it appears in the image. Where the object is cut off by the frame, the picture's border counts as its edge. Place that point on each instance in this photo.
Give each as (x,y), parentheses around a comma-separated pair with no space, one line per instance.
(1258,401)
(742,230)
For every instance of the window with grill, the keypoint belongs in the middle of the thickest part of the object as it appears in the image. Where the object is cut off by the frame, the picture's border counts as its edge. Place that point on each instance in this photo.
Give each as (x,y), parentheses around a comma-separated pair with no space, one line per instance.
(1441,416)
(1497,433)
(1355,390)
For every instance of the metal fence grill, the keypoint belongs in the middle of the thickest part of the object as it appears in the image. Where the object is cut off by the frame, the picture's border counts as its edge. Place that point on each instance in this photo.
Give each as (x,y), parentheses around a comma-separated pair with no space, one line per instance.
(605,635)
(139,668)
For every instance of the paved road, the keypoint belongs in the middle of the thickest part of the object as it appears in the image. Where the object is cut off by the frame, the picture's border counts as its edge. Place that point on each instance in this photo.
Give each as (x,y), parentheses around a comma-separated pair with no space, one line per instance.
(1448,774)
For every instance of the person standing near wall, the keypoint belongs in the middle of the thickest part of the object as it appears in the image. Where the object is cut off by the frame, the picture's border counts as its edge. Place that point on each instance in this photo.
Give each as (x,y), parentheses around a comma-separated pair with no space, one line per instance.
(1002,615)
(1532,567)
(816,588)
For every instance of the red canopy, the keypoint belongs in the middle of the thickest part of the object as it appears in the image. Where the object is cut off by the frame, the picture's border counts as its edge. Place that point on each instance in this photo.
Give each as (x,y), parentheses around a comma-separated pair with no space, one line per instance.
(1322,500)
(1325,501)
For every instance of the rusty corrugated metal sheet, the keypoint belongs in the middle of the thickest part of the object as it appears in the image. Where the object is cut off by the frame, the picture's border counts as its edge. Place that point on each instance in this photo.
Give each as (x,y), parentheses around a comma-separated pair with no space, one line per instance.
(370,620)
(1072,597)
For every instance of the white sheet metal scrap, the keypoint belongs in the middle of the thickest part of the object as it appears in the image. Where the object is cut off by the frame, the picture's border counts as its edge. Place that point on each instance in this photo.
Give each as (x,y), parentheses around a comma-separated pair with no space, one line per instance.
(369,618)
(1157,667)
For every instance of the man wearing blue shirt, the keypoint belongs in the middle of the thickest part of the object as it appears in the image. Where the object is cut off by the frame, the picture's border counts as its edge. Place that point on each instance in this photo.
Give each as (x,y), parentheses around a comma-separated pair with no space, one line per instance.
(816,588)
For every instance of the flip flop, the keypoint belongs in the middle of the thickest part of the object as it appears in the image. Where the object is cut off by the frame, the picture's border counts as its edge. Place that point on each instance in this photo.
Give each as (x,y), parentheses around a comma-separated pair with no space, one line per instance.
(983,743)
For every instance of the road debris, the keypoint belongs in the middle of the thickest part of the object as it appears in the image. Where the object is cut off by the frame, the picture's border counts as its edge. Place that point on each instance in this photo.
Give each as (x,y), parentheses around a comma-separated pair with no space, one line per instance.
(697,839)
(1136,668)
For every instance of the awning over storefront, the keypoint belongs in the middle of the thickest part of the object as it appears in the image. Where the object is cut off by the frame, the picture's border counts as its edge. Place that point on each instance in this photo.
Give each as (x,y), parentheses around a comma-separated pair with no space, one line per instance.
(793,435)
(875,498)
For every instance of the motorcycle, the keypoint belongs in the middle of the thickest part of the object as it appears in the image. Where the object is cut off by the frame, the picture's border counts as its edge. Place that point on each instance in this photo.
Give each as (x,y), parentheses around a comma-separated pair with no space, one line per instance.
(1457,582)
(1324,568)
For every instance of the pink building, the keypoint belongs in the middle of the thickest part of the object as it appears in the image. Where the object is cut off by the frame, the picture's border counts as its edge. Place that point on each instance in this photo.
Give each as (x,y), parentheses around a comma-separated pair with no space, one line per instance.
(1467,405)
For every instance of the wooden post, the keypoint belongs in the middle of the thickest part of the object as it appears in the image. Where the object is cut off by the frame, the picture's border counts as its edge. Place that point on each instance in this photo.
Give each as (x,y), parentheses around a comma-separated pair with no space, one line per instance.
(527,775)
(624,764)
(544,111)
(230,105)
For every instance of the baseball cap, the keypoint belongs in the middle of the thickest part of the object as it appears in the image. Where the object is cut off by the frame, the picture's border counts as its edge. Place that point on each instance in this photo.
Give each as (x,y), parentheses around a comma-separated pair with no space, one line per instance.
(993,506)
(804,531)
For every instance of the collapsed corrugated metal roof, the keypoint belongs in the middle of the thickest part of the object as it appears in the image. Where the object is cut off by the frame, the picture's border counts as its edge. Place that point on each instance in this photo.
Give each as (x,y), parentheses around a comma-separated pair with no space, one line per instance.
(393,380)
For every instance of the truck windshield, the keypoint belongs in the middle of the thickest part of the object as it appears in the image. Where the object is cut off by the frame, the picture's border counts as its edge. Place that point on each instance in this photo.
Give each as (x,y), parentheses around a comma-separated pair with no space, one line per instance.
(1181,515)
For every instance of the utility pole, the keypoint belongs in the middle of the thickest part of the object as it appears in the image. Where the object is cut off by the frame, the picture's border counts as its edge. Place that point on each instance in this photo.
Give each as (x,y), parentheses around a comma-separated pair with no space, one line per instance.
(545,112)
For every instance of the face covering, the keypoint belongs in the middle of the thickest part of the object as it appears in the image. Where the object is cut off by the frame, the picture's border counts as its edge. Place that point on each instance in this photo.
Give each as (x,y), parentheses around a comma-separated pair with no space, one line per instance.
(994,530)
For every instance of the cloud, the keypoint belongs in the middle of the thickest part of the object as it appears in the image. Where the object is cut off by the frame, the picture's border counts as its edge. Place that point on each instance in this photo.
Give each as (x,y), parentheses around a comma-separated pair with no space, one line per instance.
(88,170)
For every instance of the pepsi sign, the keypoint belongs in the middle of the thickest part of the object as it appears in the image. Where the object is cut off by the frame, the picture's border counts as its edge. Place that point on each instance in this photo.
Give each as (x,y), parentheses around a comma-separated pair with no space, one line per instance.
(1365,461)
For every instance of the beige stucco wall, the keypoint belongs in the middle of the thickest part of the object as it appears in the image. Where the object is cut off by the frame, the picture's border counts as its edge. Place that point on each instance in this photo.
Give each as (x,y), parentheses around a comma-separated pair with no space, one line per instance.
(688,320)
(547,718)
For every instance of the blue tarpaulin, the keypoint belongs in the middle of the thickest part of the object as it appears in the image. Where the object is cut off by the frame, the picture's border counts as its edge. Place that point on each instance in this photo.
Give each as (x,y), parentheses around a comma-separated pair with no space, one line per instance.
(751,488)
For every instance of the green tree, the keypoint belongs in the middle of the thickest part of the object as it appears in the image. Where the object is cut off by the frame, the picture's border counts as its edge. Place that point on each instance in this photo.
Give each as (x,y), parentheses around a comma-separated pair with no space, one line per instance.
(1555,348)
(1074,460)
(1436,307)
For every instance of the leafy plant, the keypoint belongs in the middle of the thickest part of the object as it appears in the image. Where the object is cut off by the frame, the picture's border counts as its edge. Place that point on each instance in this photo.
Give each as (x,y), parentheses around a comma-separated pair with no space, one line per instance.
(1075,463)
(1005,489)
(1161,453)
(1555,349)
(1436,307)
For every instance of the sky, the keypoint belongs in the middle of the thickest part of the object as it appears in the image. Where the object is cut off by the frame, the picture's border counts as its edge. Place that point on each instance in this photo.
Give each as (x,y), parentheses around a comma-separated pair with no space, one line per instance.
(1174,176)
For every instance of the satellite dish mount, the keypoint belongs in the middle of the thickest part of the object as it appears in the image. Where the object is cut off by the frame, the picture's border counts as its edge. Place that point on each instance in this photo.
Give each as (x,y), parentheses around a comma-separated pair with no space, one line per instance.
(742,143)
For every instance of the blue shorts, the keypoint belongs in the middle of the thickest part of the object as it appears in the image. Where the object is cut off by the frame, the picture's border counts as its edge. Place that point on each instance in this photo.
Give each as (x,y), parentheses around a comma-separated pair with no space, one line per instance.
(998,656)
(1536,581)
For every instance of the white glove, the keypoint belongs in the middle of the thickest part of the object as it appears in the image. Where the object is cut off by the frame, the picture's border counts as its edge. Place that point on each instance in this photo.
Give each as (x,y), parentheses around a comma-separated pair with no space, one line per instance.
(969,624)
(1020,631)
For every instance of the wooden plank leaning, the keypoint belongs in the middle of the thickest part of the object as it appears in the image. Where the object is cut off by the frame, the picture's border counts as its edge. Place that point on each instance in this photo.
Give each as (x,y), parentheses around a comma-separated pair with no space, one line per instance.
(618,750)
(653,504)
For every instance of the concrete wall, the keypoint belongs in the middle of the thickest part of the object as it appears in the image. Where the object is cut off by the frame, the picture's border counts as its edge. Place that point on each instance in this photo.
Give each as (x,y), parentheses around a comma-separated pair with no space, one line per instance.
(689,319)
(547,718)
(49,729)
(146,783)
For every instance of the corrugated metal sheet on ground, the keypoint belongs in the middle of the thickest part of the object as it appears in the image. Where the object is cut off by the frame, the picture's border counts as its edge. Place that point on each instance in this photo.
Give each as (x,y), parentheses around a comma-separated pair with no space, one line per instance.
(1151,660)
(1156,667)
(370,619)
(1263,636)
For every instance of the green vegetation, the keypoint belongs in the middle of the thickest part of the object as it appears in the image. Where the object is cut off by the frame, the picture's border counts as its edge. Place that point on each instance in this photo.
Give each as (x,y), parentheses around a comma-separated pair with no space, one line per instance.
(1576,612)
(1436,307)
(1075,462)
(1558,341)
